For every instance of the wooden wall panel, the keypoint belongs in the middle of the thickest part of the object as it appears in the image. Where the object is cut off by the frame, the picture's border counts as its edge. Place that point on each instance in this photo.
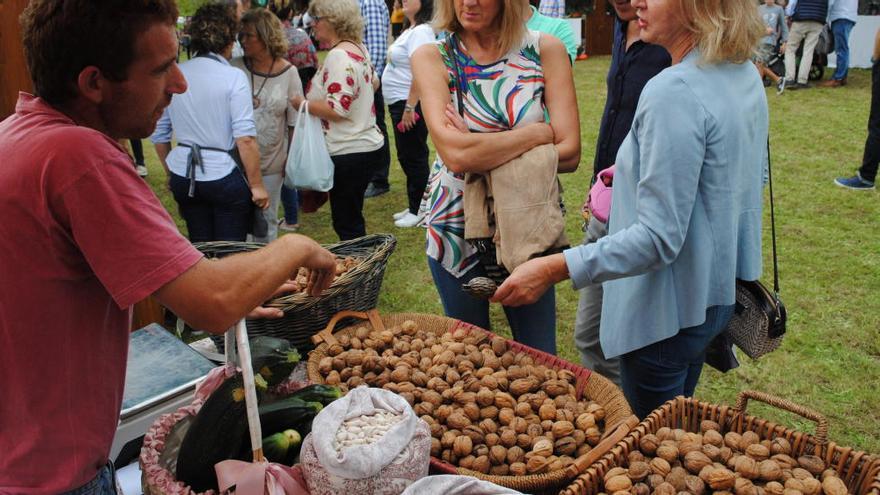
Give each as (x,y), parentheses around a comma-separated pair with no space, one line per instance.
(13,73)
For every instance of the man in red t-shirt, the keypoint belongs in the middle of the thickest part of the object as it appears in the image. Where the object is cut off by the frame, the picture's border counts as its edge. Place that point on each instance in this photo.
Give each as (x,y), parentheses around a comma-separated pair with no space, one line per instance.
(82,238)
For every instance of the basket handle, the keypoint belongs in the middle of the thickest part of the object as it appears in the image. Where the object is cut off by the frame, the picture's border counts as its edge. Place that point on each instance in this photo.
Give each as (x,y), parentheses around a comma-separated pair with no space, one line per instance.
(250,391)
(742,401)
(610,440)
(326,335)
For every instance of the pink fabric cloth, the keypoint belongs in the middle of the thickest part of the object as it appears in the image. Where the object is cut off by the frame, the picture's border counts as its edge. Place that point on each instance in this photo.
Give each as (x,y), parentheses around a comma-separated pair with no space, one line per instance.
(82,238)
(258,478)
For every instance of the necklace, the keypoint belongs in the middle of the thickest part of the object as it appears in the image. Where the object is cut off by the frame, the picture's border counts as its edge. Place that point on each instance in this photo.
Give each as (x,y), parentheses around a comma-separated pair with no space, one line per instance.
(256,96)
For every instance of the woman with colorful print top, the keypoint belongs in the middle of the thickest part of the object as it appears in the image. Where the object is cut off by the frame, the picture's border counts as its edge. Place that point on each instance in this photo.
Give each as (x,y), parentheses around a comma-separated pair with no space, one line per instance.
(515,78)
(341,95)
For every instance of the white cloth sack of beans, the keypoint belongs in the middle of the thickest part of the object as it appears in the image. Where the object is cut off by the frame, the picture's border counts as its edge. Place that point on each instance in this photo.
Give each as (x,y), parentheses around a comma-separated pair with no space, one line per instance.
(369,441)
(452,484)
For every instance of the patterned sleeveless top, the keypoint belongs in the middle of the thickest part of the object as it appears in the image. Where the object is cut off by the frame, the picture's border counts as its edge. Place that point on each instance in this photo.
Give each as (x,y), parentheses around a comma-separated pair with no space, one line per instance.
(500,96)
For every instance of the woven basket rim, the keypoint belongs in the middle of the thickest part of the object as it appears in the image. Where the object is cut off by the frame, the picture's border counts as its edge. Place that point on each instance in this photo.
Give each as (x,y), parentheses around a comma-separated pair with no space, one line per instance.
(381,245)
(587,380)
(866,480)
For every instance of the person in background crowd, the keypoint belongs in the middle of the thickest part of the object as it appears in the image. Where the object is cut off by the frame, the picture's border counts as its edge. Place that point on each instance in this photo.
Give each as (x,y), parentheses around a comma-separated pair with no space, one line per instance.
(807,19)
(212,123)
(552,8)
(341,95)
(302,54)
(410,131)
(376,25)
(773,42)
(842,15)
(686,211)
(273,85)
(137,152)
(495,52)
(867,173)
(397,18)
(79,228)
(633,63)
(553,26)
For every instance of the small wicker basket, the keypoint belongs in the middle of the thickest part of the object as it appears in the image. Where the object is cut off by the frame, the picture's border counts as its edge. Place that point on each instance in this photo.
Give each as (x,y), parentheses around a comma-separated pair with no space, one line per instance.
(618,416)
(860,471)
(356,290)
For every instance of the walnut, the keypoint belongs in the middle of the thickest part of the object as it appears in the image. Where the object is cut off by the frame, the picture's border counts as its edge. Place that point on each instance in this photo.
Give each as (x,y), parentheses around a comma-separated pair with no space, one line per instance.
(481,464)
(547,412)
(832,485)
(506,416)
(518,469)
(565,446)
(773,488)
(458,421)
(655,480)
(725,453)
(497,455)
(695,461)
(712,452)
(708,425)
(780,445)
(504,400)
(721,479)
(769,470)
(562,428)
(664,489)
(827,473)
(757,452)
(633,457)
(660,466)
(462,446)
(489,412)
(746,467)
(705,472)
(537,464)
(785,461)
(742,486)
(794,484)
(508,437)
(615,471)
(812,486)
(617,483)
(472,411)
(814,464)
(640,489)
(648,444)
(732,439)
(481,450)
(687,446)
(668,452)
(801,473)
(542,447)
(676,478)
(748,438)
(694,485)
(638,471)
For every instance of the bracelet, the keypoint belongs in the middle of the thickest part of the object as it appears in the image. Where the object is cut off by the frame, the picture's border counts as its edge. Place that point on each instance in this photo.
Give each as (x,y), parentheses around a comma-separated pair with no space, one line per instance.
(408,108)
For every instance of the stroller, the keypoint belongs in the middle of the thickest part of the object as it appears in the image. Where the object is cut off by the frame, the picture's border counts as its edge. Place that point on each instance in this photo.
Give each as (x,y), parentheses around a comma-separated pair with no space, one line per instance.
(820,56)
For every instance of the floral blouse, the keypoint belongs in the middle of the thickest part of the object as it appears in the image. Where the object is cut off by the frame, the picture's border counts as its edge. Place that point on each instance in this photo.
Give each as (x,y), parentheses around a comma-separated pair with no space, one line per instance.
(345,82)
(500,96)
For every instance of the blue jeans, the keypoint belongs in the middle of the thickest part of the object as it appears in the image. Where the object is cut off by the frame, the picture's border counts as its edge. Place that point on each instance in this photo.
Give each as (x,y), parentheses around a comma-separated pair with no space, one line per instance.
(841,29)
(533,325)
(221,210)
(661,371)
(290,202)
(104,483)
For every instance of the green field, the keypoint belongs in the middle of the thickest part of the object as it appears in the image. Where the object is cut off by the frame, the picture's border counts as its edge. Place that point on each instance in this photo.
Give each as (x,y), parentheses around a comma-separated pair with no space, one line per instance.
(829,254)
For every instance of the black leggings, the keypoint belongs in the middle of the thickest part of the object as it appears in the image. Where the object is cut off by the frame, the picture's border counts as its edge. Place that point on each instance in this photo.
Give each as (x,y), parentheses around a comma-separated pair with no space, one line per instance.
(412,153)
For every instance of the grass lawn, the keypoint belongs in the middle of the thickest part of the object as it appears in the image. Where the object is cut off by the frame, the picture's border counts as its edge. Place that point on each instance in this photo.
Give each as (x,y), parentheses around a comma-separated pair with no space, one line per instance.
(829,255)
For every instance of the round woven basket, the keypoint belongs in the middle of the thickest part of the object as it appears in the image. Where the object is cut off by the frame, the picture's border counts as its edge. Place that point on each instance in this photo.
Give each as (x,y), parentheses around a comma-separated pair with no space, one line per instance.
(860,471)
(588,384)
(355,290)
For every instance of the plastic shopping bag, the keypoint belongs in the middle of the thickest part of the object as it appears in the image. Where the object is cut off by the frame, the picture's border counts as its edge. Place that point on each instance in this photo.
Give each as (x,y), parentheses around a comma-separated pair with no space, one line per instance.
(308,161)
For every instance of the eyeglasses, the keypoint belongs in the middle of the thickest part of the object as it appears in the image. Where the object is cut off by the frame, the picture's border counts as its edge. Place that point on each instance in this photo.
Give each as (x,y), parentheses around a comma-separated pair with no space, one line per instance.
(245,35)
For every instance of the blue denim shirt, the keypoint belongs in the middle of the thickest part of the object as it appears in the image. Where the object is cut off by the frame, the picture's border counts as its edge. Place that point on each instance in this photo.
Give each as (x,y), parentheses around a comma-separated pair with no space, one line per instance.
(629,72)
(686,212)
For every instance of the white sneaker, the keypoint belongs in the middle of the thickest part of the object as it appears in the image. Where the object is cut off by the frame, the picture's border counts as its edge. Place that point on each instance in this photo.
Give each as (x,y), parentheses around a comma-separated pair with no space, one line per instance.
(400,214)
(408,220)
(141,170)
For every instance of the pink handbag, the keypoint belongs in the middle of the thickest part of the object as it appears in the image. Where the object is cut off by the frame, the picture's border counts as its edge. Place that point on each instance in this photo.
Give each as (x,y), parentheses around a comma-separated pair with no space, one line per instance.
(599,199)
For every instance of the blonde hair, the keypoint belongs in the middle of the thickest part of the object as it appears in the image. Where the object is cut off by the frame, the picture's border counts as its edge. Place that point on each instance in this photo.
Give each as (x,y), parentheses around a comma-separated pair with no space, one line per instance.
(269,30)
(724,30)
(343,15)
(512,28)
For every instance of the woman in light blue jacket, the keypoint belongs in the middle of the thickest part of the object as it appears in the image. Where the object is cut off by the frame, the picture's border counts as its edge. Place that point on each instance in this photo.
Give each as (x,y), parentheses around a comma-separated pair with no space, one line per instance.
(686,212)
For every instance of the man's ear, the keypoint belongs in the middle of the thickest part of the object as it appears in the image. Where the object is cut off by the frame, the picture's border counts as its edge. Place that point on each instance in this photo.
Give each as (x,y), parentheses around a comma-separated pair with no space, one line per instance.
(91,84)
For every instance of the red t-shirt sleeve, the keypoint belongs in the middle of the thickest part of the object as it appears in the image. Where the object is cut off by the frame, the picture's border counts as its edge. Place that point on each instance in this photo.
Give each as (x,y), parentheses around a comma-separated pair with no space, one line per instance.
(126,236)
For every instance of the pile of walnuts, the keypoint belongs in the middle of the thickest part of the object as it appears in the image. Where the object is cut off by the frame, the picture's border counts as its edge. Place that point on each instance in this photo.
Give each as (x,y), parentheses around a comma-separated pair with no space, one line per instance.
(490,410)
(670,461)
(343,266)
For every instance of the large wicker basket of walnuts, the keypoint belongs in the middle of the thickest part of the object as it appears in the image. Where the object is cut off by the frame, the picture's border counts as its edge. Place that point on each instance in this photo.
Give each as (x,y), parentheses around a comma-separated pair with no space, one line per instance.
(498,410)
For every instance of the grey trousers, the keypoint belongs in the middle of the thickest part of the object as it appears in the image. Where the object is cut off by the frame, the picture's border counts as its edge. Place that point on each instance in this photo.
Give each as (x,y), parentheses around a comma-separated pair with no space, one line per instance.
(589,312)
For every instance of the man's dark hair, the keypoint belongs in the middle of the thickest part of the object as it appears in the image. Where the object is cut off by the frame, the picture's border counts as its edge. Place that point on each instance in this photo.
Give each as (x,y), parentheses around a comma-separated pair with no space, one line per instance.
(62,37)
(213,28)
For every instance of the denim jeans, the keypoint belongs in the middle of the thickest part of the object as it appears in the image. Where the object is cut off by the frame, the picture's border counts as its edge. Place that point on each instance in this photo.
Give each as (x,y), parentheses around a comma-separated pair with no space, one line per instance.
(841,29)
(104,483)
(220,209)
(661,371)
(533,325)
(290,202)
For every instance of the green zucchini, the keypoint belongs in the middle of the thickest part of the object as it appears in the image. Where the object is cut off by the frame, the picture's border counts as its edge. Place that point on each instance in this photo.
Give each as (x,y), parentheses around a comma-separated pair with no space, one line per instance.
(276,447)
(287,413)
(324,394)
(273,358)
(217,433)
